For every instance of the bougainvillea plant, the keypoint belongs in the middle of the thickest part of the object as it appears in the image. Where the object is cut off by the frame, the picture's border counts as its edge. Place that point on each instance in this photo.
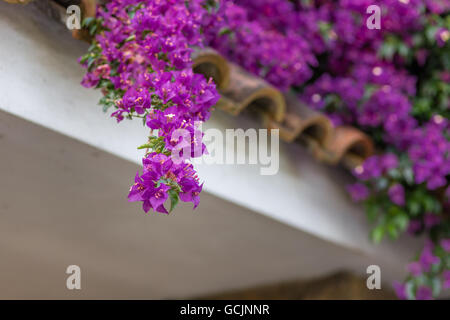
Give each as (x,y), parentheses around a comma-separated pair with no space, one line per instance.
(141,60)
(392,83)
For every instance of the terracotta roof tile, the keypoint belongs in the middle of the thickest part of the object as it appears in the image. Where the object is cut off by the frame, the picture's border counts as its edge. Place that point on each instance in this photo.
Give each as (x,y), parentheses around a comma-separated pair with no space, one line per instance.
(248,92)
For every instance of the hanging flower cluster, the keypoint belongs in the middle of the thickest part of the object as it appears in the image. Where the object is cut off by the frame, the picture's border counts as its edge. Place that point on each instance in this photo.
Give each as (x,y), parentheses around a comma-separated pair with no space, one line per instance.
(141,60)
(393,83)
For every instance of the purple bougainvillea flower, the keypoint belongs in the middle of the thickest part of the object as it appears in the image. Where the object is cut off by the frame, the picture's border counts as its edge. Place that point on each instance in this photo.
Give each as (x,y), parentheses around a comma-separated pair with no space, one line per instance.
(90,80)
(446,276)
(136,99)
(442,36)
(400,290)
(431,220)
(424,293)
(358,191)
(421,56)
(437,178)
(160,175)
(136,189)
(414,226)
(102,71)
(421,172)
(427,258)
(370,169)
(445,243)
(415,268)
(438,6)
(389,161)
(397,194)
(191,192)
(158,197)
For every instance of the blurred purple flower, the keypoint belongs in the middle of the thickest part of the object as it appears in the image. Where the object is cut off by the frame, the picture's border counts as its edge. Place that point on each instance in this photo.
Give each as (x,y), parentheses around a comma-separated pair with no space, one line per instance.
(424,293)
(431,220)
(400,290)
(427,258)
(415,268)
(446,276)
(397,194)
(414,226)
(358,191)
(445,243)
(442,36)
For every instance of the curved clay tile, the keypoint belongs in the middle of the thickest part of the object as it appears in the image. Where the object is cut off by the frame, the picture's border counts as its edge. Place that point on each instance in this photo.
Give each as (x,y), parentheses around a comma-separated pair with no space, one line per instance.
(246,91)
(89,7)
(212,65)
(302,123)
(348,146)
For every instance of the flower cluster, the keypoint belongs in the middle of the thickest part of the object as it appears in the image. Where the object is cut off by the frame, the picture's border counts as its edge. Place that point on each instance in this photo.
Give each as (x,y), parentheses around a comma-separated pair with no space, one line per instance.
(141,60)
(248,39)
(163,178)
(431,263)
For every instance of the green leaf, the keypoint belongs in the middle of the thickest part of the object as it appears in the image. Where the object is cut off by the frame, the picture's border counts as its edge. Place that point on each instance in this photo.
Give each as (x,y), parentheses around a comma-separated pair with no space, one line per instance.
(414,207)
(377,233)
(408,174)
(436,286)
(92,29)
(382,183)
(418,40)
(174,199)
(87,21)
(224,31)
(401,221)
(372,211)
(430,33)
(85,58)
(145,146)
(387,50)
(392,231)
(130,38)
(131,14)
(106,107)
(410,288)
(428,204)
(403,50)
(394,173)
